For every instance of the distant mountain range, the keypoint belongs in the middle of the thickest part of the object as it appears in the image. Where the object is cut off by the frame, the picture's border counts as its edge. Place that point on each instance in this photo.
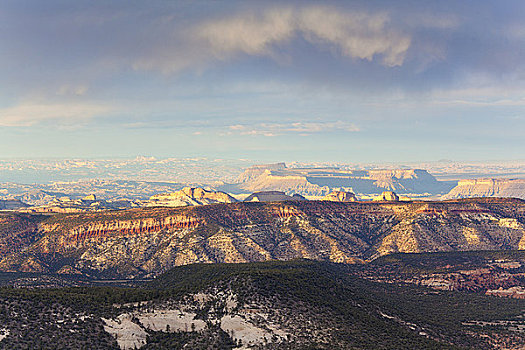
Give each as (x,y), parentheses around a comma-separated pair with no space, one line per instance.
(311,182)
(273,182)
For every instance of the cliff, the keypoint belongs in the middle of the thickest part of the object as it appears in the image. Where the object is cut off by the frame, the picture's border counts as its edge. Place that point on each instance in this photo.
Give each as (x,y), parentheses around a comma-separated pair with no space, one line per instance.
(148,241)
(488,188)
(321,181)
(340,196)
(255,171)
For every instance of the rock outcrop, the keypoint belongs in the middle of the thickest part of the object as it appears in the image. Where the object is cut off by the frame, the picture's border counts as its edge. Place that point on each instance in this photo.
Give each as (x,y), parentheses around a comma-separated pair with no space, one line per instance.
(488,188)
(387,196)
(273,196)
(340,196)
(189,196)
(90,197)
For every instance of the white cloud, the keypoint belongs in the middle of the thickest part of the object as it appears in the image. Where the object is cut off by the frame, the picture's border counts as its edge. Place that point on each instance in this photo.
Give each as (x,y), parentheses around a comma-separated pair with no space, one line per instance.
(356,35)
(33,113)
(250,33)
(302,128)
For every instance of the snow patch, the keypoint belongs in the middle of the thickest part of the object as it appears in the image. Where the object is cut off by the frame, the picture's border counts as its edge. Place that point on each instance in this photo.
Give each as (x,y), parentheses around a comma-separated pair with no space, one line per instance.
(176,320)
(128,334)
(240,329)
(4,332)
(130,329)
(386,316)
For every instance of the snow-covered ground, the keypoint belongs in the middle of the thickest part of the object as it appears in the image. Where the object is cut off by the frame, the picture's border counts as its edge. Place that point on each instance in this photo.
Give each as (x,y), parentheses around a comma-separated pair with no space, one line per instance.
(177,320)
(3,333)
(240,329)
(128,334)
(131,329)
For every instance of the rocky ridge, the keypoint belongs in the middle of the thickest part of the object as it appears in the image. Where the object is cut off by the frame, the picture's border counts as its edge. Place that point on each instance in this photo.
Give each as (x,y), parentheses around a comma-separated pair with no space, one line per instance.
(189,196)
(340,196)
(148,241)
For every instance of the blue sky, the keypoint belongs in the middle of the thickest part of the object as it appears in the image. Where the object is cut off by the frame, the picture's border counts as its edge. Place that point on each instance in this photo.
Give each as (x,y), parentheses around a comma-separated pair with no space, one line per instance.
(352,81)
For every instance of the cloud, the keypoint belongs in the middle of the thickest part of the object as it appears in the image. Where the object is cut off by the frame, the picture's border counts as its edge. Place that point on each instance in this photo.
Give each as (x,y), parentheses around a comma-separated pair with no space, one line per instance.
(355,35)
(251,34)
(350,34)
(34,113)
(333,43)
(302,128)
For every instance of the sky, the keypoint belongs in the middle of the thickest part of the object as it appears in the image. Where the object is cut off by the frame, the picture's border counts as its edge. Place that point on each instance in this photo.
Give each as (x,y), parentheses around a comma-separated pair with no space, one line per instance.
(349,81)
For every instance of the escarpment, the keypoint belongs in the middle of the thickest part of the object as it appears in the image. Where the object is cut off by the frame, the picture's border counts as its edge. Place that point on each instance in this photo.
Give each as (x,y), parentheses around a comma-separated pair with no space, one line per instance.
(488,188)
(133,227)
(322,181)
(148,241)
